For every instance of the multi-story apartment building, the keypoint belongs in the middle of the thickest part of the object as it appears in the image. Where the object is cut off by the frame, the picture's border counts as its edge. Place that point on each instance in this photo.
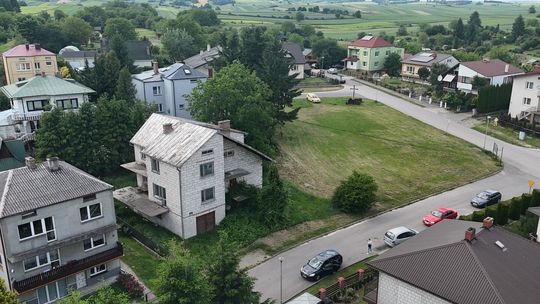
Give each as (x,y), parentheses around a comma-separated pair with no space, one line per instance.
(57,231)
(28,60)
(369,53)
(525,98)
(185,167)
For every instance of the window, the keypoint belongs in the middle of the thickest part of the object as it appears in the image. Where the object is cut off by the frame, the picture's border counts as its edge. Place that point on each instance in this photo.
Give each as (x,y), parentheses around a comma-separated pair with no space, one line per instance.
(48,63)
(526,101)
(181,107)
(89,197)
(376,53)
(364,63)
(159,107)
(387,53)
(36,228)
(44,259)
(207,152)
(36,65)
(94,242)
(51,292)
(465,79)
(25,66)
(193,81)
(36,105)
(98,269)
(410,69)
(21,78)
(160,193)
(156,90)
(294,67)
(143,156)
(90,212)
(207,169)
(365,53)
(207,195)
(228,153)
(154,164)
(529,85)
(376,63)
(65,104)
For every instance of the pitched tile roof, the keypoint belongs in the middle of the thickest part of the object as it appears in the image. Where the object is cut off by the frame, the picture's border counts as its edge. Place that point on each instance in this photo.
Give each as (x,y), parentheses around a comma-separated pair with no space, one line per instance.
(204,57)
(371,42)
(25,189)
(493,67)
(21,51)
(430,58)
(175,71)
(44,86)
(439,260)
(79,54)
(295,51)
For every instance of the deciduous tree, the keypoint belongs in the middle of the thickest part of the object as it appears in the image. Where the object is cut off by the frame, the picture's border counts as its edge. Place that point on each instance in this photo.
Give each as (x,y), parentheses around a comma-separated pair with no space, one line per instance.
(6,296)
(77,30)
(423,73)
(392,64)
(178,44)
(120,26)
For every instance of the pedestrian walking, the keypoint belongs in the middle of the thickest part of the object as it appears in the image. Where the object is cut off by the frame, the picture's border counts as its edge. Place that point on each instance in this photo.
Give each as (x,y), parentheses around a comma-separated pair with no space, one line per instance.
(369,245)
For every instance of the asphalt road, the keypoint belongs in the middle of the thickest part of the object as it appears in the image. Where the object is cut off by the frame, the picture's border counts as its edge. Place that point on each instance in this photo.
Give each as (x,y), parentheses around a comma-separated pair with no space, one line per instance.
(521,164)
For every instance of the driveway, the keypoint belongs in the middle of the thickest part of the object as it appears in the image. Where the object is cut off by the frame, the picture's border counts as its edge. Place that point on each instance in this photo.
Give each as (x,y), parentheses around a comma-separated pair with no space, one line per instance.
(521,164)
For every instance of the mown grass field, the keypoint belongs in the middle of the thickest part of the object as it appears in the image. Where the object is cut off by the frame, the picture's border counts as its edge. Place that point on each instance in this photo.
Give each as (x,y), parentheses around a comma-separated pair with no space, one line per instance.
(509,135)
(407,158)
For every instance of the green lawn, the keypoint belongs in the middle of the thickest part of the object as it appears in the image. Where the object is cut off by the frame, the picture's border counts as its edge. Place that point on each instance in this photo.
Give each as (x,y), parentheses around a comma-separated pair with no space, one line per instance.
(141,260)
(407,158)
(508,135)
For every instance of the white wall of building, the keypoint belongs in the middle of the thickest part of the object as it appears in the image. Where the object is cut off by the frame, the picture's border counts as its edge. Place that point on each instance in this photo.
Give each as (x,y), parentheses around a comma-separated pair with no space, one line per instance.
(297,69)
(394,291)
(520,92)
(244,159)
(464,71)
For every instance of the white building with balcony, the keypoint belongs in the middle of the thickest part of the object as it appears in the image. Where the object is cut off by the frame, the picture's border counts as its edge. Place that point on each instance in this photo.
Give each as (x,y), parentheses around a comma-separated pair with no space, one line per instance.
(525,98)
(496,72)
(183,170)
(29,98)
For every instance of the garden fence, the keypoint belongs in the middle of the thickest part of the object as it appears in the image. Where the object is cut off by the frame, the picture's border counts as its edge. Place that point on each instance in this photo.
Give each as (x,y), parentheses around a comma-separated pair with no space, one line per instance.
(354,281)
(143,239)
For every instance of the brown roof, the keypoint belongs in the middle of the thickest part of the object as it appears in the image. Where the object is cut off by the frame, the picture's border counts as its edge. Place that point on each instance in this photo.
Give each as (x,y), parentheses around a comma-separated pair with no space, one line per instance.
(371,42)
(534,72)
(29,50)
(351,59)
(439,261)
(493,67)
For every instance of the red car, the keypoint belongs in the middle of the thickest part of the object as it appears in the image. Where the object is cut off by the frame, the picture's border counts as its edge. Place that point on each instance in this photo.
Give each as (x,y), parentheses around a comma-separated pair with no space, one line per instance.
(438,215)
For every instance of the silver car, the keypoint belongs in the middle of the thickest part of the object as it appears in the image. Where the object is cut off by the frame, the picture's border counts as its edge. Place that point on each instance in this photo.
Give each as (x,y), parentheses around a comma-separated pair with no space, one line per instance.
(398,235)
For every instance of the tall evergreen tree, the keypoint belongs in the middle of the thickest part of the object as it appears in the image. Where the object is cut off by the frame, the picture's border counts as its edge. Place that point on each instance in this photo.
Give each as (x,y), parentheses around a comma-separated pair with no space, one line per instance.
(254,42)
(518,28)
(125,90)
(273,199)
(459,29)
(118,45)
(474,19)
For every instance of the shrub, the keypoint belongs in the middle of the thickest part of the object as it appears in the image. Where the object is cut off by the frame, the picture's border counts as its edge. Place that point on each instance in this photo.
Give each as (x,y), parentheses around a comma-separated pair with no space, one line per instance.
(535,199)
(356,194)
(467,217)
(130,283)
(502,213)
(514,211)
(479,216)
(525,202)
(491,211)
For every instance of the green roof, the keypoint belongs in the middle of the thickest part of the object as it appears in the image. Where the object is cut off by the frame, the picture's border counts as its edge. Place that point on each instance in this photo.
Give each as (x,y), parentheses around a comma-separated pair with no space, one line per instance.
(44,86)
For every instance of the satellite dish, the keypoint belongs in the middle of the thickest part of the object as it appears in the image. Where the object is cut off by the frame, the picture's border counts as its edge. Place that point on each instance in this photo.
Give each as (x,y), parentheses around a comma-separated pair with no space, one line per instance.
(439,78)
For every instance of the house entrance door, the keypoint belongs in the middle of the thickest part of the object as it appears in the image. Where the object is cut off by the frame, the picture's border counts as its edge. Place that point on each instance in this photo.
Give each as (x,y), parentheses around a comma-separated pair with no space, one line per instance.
(206,222)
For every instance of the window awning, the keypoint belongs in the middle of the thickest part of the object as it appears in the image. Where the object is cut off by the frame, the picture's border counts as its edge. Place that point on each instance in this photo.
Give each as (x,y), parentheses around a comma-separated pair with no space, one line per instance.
(135,168)
(236,173)
(449,78)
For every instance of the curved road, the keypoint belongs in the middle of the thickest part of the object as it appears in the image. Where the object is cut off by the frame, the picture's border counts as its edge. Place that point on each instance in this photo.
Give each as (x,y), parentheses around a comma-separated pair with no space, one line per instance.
(521,164)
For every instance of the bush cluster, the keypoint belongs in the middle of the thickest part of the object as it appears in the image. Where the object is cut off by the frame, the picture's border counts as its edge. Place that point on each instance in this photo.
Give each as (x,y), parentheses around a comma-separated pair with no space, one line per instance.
(356,194)
(130,283)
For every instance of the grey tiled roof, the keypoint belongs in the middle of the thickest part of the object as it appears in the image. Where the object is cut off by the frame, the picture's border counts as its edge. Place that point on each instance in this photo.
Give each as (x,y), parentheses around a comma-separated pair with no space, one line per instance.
(439,260)
(203,58)
(25,189)
(295,51)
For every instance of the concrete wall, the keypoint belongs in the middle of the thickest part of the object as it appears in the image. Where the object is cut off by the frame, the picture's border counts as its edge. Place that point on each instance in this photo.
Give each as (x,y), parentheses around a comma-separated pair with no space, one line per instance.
(145,92)
(520,91)
(394,291)
(244,159)
(12,75)
(177,90)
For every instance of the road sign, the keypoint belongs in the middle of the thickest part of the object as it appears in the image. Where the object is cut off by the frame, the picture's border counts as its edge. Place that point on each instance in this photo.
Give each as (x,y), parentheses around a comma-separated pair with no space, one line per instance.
(531,183)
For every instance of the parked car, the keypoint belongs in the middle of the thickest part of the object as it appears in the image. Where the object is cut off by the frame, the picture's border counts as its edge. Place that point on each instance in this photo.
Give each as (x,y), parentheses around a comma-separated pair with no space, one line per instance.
(324,263)
(438,215)
(486,198)
(398,235)
(313,98)
(332,71)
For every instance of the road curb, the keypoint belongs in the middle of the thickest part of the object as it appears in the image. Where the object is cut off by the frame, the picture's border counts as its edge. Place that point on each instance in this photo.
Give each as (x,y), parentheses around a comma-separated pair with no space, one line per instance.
(387,91)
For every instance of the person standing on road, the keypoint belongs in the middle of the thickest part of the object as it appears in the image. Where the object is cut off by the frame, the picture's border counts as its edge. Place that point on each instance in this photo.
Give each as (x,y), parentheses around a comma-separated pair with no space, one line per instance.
(369,245)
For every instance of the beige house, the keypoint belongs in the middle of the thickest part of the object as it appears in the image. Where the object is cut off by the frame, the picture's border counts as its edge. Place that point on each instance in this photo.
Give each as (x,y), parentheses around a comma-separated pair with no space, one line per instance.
(28,60)
(411,65)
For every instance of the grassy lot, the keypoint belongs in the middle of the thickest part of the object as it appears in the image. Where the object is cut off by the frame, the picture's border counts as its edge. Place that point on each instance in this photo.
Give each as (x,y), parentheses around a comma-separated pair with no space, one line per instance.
(508,135)
(151,35)
(141,260)
(407,158)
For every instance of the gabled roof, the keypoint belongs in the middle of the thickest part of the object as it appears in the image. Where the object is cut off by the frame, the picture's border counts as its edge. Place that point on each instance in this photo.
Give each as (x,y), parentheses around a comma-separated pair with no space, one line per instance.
(295,51)
(25,189)
(430,58)
(177,146)
(79,54)
(371,42)
(175,71)
(492,67)
(139,50)
(439,260)
(203,57)
(21,51)
(44,86)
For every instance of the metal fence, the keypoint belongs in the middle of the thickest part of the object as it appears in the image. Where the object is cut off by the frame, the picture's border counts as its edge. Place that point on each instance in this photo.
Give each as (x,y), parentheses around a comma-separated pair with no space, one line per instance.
(143,239)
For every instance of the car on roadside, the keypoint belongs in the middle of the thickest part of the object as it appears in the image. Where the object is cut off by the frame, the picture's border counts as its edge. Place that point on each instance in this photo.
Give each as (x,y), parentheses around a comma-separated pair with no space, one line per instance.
(398,235)
(486,198)
(323,264)
(438,215)
(332,71)
(313,98)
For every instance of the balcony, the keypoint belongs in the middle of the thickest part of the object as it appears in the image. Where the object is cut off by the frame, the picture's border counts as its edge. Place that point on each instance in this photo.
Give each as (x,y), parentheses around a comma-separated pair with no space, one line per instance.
(26,116)
(70,268)
(139,202)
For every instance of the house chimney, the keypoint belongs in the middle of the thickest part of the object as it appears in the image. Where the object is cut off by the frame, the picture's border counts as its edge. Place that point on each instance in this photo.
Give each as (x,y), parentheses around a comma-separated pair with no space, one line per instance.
(506,68)
(487,223)
(30,162)
(469,234)
(485,59)
(53,163)
(225,126)
(43,74)
(37,46)
(27,46)
(155,67)
(167,128)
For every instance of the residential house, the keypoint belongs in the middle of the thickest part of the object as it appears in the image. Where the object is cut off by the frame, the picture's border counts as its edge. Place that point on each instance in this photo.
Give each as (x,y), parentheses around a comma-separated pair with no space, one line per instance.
(459,262)
(411,65)
(495,71)
(293,52)
(525,98)
(29,98)
(202,62)
(310,60)
(140,52)
(28,60)
(369,53)
(78,59)
(167,87)
(58,231)
(183,170)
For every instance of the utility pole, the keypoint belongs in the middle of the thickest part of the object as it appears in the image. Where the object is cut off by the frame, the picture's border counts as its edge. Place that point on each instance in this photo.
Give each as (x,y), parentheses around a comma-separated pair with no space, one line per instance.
(487,127)
(281,279)
(353,89)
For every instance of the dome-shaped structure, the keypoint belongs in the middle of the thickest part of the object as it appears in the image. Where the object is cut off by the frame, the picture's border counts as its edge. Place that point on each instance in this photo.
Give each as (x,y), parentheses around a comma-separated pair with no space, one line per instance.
(68,48)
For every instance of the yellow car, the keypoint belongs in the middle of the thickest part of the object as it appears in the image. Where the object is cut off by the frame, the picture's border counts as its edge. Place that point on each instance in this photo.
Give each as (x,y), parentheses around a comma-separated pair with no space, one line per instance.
(313,98)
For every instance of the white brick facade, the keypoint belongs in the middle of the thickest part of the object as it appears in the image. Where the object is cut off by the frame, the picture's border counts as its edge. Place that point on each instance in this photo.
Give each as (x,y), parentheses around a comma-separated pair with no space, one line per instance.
(394,291)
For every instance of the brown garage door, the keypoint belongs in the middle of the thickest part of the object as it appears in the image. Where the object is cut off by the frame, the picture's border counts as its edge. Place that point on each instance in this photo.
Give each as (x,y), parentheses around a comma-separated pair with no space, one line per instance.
(206,222)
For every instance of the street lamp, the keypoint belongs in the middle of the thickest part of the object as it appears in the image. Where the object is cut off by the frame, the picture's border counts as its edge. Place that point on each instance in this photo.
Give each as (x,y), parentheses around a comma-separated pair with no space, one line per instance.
(487,126)
(281,278)
(322,65)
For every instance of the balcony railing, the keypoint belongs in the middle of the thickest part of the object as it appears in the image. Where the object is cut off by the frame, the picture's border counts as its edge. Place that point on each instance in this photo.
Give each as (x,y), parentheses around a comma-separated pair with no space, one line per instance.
(67,269)
(21,117)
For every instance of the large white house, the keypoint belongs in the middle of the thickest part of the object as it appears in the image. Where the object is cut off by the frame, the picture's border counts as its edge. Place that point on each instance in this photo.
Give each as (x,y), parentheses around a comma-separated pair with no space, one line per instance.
(167,87)
(525,98)
(496,71)
(183,170)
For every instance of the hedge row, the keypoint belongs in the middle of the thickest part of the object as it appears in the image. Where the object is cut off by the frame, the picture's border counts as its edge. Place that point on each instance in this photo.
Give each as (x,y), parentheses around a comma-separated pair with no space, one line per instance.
(509,209)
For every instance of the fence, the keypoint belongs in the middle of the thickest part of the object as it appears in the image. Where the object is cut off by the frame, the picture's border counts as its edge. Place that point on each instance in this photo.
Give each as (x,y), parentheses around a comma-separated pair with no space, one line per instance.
(519,127)
(139,236)
(355,281)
